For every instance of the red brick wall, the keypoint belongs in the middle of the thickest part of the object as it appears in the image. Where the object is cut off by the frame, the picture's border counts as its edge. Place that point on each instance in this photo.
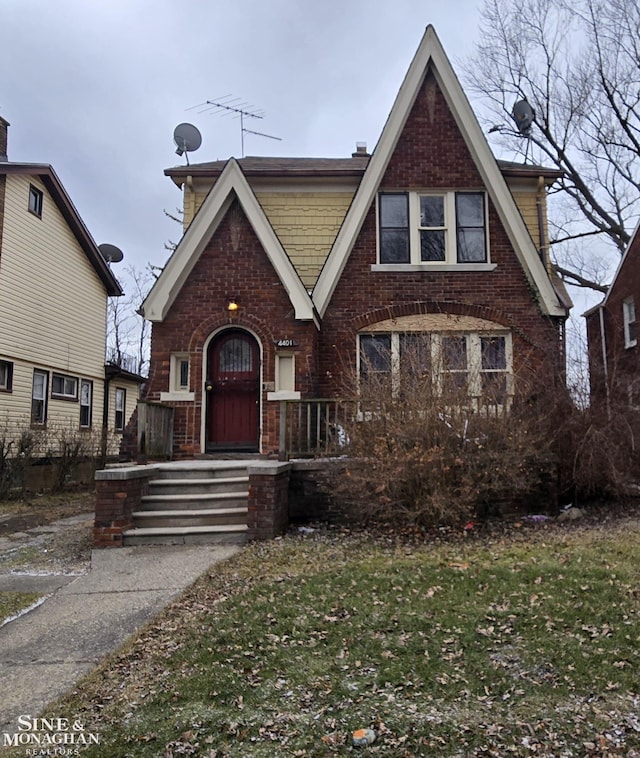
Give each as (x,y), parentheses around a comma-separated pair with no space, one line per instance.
(623,364)
(431,153)
(232,265)
(116,499)
(268,502)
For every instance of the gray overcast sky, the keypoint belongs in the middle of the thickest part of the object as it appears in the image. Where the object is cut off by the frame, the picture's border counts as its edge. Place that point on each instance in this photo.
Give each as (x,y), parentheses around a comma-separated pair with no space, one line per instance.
(96,87)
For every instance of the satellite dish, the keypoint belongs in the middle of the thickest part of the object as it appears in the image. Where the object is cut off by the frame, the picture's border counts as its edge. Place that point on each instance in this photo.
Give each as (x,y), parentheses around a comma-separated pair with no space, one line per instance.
(110,253)
(187,139)
(524,115)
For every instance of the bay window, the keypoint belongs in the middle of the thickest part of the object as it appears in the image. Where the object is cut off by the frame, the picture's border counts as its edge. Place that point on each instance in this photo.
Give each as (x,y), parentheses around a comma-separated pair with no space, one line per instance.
(473,365)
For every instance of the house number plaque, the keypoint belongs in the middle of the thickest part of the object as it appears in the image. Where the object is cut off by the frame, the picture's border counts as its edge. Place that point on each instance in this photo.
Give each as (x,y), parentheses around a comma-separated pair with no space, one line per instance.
(286,343)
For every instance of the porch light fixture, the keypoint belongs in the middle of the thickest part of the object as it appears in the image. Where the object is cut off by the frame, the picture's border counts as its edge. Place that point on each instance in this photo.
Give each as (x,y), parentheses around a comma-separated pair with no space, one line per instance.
(233,306)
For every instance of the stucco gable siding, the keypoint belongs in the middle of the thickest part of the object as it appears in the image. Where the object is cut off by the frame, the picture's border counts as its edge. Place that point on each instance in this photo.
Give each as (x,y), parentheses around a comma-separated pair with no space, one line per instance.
(52,302)
(306,224)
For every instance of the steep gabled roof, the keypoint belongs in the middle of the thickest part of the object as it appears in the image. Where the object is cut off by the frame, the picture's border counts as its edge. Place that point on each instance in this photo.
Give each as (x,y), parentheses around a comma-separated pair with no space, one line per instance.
(431,56)
(231,184)
(62,200)
(632,248)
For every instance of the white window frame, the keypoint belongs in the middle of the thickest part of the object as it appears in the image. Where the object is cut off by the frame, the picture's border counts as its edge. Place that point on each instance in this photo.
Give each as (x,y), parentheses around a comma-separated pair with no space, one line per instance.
(449,229)
(69,387)
(36,201)
(120,407)
(6,376)
(89,405)
(178,392)
(285,378)
(474,369)
(41,397)
(629,322)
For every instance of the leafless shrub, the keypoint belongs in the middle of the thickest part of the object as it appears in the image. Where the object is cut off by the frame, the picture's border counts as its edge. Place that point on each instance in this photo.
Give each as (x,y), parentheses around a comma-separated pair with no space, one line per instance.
(422,450)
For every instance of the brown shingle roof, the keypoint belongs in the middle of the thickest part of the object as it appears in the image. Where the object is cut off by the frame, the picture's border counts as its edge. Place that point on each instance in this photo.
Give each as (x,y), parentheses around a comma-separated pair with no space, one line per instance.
(254,165)
(267,166)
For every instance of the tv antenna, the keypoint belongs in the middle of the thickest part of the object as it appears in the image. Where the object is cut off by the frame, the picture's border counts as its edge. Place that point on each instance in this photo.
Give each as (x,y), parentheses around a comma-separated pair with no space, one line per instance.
(187,139)
(228,105)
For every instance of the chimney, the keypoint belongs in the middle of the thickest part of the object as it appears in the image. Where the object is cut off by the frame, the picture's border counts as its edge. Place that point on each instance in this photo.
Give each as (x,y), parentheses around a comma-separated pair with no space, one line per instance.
(4,125)
(361,150)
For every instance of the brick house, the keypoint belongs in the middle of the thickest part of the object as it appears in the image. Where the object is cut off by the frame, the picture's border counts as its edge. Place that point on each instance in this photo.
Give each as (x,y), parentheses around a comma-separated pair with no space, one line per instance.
(294,272)
(613,340)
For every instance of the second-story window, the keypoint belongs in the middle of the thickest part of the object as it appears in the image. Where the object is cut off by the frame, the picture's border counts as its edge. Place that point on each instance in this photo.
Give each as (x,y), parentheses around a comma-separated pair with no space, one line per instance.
(35,201)
(432,228)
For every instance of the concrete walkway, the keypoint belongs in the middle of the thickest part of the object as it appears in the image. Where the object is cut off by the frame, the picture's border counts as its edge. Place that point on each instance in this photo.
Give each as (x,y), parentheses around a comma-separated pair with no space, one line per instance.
(45,652)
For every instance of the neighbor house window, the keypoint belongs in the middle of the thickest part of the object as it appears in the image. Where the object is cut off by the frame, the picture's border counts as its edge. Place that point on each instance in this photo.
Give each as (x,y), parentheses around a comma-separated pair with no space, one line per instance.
(64,387)
(432,228)
(39,397)
(629,321)
(476,365)
(633,390)
(6,376)
(120,404)
(86,403)
(35,201)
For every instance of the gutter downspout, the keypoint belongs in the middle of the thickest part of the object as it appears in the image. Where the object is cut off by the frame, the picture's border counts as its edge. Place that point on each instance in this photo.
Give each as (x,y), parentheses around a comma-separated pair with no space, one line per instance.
(605,367)
(191,192)
(105,419)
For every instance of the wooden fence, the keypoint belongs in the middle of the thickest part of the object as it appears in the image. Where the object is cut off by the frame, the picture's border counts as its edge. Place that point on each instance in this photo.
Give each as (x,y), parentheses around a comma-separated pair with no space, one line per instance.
(155,430)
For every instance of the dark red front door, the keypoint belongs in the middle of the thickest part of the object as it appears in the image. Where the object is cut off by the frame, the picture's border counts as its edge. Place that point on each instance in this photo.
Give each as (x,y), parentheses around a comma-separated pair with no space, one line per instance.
(233,393)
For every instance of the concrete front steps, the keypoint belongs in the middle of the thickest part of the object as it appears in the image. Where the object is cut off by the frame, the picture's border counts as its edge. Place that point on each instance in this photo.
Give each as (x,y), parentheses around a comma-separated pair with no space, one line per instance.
(193,502)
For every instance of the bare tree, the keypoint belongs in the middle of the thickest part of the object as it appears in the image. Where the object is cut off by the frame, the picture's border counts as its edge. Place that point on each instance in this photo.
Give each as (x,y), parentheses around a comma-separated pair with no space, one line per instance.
(578,65)
(128,332)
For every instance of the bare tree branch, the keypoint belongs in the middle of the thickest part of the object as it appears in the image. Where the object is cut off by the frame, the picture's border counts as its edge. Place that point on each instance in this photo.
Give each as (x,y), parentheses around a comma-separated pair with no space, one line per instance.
(577,62)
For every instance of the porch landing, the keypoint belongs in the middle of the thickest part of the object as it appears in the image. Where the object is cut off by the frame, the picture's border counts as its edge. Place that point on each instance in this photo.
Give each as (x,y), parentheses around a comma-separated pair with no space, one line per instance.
(202,501)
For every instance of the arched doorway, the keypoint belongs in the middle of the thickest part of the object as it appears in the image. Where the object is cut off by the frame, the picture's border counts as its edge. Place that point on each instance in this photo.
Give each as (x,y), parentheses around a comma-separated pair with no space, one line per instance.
(233,392)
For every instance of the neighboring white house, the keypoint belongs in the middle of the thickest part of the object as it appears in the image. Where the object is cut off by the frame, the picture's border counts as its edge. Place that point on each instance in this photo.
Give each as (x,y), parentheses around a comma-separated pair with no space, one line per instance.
(54,286)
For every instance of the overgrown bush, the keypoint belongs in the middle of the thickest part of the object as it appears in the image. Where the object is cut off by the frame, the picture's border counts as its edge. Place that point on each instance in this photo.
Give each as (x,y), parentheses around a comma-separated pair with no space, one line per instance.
(425,454)
(598,454)
(61,447)
(70,447)
(16,453)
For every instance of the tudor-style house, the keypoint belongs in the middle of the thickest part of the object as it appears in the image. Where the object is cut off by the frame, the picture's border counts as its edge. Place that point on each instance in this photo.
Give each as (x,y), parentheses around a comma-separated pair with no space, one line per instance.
(293,272)
(54,286)
(612,337)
